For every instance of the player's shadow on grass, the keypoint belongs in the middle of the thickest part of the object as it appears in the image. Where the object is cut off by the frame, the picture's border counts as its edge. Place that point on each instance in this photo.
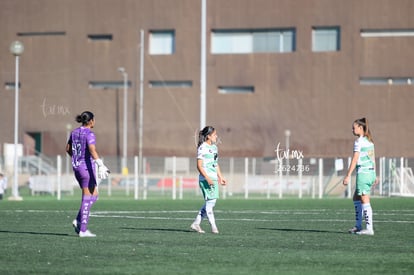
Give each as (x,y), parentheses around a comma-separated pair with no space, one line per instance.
(156,229)
(302,230)
(33,233)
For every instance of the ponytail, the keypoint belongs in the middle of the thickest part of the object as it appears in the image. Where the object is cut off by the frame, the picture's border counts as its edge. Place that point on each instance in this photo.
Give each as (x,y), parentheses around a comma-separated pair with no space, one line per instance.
(364,123)
(203,134)
(85,117)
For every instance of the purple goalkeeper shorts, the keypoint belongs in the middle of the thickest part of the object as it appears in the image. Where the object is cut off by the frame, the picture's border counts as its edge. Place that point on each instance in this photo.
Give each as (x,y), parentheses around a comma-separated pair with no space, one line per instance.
(86,177)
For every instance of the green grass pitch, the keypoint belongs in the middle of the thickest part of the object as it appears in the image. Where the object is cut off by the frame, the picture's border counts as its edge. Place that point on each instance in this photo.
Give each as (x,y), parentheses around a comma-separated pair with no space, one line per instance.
(277,236)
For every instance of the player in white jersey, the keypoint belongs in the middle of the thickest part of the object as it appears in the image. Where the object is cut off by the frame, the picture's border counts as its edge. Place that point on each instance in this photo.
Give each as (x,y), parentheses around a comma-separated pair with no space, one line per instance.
(364,161)
(210,177)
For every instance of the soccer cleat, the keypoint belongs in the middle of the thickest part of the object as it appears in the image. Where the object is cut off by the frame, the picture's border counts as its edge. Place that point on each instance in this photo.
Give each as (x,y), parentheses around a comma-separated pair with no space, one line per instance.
(365,232)
(87,233)
(354,230)
(214,230)
(76,226)
(197,228)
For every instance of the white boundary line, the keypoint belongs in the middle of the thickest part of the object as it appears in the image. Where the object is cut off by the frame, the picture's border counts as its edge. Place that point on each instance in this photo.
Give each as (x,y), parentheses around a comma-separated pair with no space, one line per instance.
(141,214)
(405,212)
(103,215)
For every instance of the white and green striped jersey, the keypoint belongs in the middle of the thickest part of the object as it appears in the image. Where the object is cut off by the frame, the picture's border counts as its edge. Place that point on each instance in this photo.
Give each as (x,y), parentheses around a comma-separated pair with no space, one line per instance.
(209,155)
(366,160)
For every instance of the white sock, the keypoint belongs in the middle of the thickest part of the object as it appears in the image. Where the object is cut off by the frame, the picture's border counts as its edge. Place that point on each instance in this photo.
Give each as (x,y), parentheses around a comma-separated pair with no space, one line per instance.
(201,215)
(367,210)
(358,214)
(198,219)
(210,214)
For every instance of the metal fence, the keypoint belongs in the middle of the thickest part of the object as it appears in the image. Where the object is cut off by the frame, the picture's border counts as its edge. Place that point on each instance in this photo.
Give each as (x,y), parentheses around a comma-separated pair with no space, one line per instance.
(177,177)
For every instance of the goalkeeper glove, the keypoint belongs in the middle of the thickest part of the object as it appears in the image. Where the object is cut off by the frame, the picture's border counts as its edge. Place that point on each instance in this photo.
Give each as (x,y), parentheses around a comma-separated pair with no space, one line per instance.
(103,171)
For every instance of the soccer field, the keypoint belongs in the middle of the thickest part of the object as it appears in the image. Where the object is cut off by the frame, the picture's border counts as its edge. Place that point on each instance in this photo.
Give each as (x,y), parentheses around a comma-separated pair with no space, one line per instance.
(287,236)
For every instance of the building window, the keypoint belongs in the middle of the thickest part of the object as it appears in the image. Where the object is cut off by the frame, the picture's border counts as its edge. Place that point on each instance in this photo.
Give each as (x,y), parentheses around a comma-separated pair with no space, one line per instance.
(253,41)
(100,37)
(236,89)
(386,80)
(162,42)
(326,39)
(108,84)
(46,33)
(387,32)
(170,84)
(11,85)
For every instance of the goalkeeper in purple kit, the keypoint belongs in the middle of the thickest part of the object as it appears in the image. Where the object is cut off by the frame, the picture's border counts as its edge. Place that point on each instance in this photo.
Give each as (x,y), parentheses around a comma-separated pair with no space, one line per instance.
(81,147)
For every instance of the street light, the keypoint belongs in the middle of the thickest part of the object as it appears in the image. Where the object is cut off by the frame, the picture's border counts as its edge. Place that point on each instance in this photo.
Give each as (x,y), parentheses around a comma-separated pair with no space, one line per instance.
(124,154)
(16,48)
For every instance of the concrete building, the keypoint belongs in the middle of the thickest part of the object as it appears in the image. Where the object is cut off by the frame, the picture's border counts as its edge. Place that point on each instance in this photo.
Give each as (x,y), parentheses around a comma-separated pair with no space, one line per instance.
(308,66)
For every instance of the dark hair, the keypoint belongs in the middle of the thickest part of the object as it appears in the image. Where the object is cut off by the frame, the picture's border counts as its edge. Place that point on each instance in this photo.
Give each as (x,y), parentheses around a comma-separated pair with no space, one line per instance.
(202,135)
(85,117)
(363,122)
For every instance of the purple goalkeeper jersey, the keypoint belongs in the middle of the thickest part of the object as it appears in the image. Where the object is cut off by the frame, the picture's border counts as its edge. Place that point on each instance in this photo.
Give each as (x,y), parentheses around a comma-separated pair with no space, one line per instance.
(80,139)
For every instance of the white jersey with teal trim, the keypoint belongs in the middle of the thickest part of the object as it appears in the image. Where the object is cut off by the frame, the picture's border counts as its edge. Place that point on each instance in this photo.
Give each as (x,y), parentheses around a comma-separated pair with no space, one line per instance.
(209,155)
(366,160)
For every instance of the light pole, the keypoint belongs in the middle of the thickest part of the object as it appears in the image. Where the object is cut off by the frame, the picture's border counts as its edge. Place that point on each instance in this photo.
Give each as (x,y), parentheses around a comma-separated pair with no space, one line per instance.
(16,48)
(203,69)
(124,148)
(287,136)
(68,129)
(141,105)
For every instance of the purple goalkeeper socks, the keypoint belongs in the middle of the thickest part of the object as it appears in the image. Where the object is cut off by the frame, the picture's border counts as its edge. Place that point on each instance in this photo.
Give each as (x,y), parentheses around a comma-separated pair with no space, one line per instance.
(94,199)
(84,212)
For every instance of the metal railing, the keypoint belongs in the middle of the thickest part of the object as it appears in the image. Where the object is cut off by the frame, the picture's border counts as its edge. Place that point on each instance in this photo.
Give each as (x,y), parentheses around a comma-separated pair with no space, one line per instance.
(177,177)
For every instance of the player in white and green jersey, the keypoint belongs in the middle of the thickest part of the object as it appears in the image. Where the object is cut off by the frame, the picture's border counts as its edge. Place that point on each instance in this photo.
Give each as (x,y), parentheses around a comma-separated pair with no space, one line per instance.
(208,154)
(365,167)
(209,178)
(364,161)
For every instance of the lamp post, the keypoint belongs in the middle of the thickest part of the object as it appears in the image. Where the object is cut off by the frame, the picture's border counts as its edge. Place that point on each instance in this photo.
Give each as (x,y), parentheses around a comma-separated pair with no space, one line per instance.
(16,48)
(68,129)
(287,136)
(141,107)
(203,69)
(125,132)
